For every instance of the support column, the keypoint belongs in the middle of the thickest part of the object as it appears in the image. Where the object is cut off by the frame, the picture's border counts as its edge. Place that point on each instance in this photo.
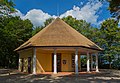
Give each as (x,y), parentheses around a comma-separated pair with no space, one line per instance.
(34,60)
(76,61)
(55,62)
(88,62)
(91,62)
(97,62)
(19,64)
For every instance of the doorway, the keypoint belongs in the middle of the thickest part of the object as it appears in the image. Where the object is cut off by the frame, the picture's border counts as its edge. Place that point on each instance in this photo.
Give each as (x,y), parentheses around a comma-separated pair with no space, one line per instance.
(58,62)
(29,64)
(22,64)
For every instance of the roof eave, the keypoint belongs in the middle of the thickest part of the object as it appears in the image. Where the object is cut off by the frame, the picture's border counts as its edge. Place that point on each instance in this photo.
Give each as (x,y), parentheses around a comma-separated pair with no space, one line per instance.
(58,47)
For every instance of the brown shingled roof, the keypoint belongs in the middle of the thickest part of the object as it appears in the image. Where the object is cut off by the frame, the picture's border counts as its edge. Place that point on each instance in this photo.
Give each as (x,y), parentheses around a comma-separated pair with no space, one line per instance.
(59,33)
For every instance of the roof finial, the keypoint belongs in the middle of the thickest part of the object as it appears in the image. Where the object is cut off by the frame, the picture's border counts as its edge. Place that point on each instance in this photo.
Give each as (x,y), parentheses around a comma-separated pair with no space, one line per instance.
(57,9)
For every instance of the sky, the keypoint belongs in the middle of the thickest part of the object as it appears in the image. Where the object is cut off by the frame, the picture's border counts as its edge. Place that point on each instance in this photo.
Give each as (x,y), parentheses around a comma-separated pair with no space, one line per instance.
(37,11)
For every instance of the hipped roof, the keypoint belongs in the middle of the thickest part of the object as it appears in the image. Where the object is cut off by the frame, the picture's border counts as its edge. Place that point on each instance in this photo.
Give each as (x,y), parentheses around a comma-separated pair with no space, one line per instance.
(58,33)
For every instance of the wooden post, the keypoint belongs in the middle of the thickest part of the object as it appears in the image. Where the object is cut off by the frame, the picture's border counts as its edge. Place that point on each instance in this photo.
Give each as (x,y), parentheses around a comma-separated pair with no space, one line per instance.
(76,61)
(55,62)
(88,62)
(97,62)
(19,64)
(34,60)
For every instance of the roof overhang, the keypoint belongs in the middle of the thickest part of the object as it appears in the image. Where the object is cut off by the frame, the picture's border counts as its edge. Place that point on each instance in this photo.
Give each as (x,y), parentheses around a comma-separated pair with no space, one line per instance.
(62,47)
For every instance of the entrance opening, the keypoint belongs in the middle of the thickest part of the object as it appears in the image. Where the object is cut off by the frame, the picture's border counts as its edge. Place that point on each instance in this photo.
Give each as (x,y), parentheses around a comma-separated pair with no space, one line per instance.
(29,64)
(83,59)
(58,62)
(22,65)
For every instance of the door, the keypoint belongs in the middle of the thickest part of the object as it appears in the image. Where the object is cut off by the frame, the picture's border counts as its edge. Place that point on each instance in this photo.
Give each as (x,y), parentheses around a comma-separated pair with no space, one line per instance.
(58,62)
(29,64)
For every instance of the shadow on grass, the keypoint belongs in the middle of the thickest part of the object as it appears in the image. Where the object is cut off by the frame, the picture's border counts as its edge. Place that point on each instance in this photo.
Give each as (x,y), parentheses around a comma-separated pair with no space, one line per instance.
(48,78)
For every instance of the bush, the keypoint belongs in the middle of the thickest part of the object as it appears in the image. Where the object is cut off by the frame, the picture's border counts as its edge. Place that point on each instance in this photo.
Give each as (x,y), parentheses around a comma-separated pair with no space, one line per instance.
(116,64)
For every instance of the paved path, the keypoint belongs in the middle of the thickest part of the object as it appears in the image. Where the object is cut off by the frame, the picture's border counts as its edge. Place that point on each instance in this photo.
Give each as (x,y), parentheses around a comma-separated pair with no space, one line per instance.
(105,76)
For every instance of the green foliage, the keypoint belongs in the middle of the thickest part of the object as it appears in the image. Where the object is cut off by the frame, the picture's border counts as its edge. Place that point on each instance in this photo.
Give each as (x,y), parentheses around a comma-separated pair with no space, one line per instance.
(114,7)
(36,30)
(80,25)
(111,39)
(13,32)
(6,7)
(83,60)
(116,64)
(48,21)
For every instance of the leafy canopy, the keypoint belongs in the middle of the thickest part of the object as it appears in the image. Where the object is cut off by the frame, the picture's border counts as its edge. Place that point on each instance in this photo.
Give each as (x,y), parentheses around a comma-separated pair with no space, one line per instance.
(13,32)
(6,7)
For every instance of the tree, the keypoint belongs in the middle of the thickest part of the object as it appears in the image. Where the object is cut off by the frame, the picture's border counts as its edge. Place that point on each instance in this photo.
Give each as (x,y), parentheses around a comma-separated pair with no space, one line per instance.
(13,32)
(114,7)
(6,7)
(48,21)
(36,30)
(110,39)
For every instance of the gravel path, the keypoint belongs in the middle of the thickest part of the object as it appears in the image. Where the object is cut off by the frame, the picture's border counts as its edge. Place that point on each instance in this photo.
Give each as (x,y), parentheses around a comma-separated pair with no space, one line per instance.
(105,76)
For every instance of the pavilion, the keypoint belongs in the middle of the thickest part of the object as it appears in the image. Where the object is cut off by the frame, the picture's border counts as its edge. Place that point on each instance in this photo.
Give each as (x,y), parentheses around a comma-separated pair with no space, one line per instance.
(56,48)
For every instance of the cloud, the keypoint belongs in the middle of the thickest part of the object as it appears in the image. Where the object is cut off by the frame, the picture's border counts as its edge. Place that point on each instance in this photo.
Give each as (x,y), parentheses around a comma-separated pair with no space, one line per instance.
(36,16)
(87,12)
